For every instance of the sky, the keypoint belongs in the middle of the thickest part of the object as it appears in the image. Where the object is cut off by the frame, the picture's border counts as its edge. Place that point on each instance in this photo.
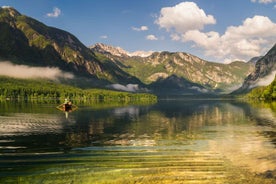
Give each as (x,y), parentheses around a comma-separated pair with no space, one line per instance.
(214,30)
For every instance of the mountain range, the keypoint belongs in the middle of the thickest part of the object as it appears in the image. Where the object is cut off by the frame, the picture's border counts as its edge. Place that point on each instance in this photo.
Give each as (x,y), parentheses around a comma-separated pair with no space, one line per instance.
(190,72)
(26,41)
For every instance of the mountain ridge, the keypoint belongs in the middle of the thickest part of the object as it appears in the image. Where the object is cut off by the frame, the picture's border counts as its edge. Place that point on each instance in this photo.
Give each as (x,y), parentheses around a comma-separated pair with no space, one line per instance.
(28,41)
(118,51)
(161,65)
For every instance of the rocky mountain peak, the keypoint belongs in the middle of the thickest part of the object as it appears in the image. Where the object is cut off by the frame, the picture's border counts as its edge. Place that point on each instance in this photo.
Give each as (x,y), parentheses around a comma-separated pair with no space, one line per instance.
(107,49)
(118,51)
(10,11)
(9,15)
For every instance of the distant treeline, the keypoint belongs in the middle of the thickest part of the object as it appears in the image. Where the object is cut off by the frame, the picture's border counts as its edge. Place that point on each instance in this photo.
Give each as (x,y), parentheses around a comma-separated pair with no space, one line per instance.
(264,93)
(11,88)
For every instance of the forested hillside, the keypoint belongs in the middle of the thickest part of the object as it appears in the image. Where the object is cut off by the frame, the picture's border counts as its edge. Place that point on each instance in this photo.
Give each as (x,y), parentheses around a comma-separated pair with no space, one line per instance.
(265,93)
(40,89)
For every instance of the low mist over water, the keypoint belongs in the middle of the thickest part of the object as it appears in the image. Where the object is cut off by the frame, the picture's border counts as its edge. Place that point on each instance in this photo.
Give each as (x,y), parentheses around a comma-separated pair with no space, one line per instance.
(27,72)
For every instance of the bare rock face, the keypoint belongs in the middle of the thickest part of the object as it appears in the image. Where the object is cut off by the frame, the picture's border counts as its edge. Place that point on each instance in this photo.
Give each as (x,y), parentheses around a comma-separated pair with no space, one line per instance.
(265,67)
(107,49)
(117,51)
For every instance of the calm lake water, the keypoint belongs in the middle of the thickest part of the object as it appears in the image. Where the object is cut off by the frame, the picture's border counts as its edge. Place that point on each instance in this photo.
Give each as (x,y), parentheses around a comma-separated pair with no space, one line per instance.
(172,141)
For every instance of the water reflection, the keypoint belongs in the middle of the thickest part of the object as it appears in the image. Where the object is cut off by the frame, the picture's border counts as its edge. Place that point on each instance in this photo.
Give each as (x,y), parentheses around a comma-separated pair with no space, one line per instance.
(28,124)
(187,140)
(130,111)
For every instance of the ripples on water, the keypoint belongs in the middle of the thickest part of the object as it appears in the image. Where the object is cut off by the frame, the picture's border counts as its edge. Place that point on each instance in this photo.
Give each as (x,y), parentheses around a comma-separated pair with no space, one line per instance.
(169,142)
(26,124)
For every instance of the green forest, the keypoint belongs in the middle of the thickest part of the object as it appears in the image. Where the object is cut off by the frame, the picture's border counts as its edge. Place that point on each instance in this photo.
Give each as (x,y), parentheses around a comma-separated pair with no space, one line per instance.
(264,93)
(28,89)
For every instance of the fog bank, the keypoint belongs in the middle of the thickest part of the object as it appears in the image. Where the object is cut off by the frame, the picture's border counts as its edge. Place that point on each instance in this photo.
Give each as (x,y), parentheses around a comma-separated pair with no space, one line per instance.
(128,87)
(266,80)
(27,72)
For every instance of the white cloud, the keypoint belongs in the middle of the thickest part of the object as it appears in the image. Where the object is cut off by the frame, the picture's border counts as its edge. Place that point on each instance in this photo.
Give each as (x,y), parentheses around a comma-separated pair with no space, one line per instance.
(202,90)
(128,87)
(184,17)
(258,26)
(56,13)
(5,7)
(175,37)
(186,21)
(265,81)
(104,37)
(250,39)
(204,40)
(25,72)
(142,28)
(151,37)
(263,1)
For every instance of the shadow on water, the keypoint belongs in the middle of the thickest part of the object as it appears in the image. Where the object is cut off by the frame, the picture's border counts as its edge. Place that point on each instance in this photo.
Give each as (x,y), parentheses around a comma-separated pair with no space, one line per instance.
(173,141)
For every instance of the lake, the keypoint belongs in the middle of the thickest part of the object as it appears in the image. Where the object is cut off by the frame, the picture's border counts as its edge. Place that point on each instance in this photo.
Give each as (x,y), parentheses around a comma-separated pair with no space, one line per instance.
(172,141)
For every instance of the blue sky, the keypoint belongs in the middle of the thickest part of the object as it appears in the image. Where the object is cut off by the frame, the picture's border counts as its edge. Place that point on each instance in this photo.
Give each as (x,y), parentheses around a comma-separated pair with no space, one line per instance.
(215,30)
